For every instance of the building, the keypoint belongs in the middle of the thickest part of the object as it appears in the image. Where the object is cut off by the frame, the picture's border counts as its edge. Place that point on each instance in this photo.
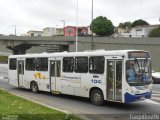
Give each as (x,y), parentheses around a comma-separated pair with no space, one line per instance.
(122,32)
(138,31)
(142,31)
(34,33)
(24,35)
(71,31)
(50,31)
(60,31)
(55,31)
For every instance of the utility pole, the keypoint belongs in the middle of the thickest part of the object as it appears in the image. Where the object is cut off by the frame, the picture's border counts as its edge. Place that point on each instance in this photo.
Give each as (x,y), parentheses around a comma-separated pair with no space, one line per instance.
(77,28)
(92,26)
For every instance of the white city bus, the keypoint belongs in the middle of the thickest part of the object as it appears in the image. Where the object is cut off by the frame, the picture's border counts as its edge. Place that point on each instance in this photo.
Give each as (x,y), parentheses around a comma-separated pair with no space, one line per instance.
(99,75)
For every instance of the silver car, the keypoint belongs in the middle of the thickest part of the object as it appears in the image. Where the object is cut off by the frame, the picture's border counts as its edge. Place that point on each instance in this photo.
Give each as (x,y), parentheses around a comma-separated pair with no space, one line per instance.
(156,77)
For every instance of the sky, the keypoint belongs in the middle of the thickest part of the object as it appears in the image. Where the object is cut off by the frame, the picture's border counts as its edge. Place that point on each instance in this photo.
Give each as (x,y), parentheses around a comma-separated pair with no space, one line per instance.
(38,14)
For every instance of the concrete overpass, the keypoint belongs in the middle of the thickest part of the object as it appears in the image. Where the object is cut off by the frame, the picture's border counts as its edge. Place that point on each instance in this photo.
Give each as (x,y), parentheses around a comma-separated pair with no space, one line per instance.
(19,45)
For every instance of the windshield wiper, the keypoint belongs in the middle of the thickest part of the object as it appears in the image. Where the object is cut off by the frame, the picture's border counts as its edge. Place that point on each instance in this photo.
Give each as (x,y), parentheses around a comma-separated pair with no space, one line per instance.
(143,67)
(145,62)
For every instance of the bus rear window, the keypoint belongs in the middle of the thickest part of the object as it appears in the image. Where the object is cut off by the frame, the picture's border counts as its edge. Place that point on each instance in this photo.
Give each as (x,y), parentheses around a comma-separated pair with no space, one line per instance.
(13,64)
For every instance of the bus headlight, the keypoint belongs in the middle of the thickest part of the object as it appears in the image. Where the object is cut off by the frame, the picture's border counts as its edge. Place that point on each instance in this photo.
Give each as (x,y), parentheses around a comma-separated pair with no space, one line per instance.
(130,90)
(150,90)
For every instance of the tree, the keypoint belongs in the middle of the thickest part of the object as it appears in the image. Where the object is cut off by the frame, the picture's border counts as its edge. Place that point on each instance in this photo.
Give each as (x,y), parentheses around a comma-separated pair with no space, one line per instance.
(102,26)
(155,32)
(125,25)
(139,22)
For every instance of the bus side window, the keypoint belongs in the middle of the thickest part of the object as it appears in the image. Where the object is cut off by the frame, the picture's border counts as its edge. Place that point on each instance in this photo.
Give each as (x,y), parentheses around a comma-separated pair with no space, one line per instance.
(42,64)
(68,64)
(81,64)
(30,64)
(96,65)
(13,64)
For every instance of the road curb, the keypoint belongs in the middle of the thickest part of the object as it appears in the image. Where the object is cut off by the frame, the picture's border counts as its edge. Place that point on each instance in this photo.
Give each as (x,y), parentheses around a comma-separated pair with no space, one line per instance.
(155,92)
(151,101)
(3,89)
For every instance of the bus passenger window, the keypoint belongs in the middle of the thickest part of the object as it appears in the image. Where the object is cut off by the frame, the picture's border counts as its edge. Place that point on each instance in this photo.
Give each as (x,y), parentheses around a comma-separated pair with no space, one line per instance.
(81,64)
(42,64)
(13,64)
(68,64)
(96,65)
(30,64)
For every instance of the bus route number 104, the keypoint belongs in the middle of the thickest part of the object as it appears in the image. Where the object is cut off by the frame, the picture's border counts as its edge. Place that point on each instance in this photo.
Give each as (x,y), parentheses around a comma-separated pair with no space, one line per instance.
(95,81)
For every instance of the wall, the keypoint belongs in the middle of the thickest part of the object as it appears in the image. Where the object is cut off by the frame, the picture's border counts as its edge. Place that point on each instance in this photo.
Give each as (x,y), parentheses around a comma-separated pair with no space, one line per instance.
(109,43)
(84,43)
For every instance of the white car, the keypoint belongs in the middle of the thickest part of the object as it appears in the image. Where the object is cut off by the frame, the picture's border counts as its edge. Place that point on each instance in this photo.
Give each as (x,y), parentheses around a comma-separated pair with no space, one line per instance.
(156,77)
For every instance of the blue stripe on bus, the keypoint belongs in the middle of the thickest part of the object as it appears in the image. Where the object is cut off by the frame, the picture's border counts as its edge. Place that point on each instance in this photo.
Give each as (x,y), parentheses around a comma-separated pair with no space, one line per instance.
(131,98)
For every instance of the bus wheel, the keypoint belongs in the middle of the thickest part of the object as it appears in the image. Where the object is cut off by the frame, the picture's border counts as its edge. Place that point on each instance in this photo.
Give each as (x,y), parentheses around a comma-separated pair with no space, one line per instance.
(97,97)
(34,87)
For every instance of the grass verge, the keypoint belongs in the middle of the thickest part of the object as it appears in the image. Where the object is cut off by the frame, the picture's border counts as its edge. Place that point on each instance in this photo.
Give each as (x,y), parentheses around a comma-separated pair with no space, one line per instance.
(16,108)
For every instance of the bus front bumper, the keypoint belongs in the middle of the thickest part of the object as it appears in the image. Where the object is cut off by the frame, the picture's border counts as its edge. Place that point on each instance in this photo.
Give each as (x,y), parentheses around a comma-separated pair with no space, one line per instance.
(137,97)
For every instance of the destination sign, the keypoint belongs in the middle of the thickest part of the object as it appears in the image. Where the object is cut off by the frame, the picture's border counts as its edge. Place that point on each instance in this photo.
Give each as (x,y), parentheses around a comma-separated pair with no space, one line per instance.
(139,54)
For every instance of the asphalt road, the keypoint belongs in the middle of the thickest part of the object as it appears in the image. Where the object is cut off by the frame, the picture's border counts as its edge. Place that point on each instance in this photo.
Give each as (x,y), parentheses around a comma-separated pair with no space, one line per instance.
(156,88)
(3,71)
(82,106)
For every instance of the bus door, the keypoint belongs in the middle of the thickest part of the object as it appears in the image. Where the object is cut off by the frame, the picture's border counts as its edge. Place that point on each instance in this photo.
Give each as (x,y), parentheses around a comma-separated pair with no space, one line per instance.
(20,72)
(55,74)
(114,80)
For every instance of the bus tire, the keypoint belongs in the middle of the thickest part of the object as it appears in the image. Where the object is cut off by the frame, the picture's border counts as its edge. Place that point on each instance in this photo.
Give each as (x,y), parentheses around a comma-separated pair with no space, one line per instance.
(97,97)
(34,87)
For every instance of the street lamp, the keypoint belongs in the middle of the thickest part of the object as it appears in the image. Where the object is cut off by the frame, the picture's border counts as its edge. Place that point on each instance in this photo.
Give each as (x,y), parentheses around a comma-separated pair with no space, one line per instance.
(15,29)
(63,23)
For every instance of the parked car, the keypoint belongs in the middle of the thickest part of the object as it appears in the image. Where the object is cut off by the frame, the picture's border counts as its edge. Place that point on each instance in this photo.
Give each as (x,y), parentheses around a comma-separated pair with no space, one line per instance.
(156,77)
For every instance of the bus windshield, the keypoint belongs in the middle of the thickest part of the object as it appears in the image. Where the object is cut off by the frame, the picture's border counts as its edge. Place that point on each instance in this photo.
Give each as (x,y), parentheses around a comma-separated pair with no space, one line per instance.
(138,72)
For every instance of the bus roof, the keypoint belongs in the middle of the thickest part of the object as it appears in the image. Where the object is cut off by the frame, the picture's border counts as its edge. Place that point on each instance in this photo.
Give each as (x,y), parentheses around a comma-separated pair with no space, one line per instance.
(72,54)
